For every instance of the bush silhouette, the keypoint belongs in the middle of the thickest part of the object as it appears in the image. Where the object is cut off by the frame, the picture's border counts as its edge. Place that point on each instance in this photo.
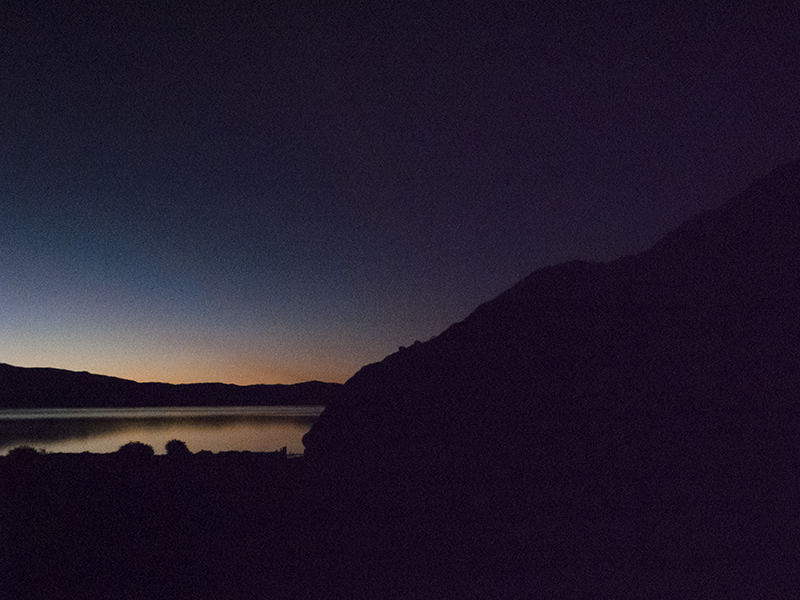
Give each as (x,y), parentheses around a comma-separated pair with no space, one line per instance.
(177,449)
(135,451)
(24,452)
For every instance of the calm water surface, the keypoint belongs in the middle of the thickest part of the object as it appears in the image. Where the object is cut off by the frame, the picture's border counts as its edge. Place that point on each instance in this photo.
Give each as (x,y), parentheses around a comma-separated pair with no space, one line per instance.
(217,429)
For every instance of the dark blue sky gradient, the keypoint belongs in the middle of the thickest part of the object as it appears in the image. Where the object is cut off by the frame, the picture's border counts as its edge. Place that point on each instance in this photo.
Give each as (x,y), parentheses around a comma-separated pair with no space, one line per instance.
(272,194)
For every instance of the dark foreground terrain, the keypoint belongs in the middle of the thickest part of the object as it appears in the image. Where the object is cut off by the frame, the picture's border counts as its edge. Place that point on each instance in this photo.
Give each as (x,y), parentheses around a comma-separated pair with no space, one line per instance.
(229,525)
(247,526)
(258,526)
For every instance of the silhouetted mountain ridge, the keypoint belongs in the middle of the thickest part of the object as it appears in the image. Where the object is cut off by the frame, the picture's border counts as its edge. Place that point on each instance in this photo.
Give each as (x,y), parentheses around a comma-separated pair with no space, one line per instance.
(714,302)
(627,429)
(57,388)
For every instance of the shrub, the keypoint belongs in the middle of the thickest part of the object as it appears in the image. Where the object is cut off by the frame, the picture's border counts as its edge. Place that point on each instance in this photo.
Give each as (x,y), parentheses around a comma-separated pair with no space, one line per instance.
(135,451)
(24,452)
(177,448)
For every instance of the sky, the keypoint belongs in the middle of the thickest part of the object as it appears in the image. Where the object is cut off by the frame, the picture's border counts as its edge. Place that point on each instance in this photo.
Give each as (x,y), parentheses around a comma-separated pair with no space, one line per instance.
(276,192)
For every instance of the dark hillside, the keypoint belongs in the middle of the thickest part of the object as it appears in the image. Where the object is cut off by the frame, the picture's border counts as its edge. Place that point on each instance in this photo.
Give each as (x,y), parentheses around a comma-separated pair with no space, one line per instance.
(633,424)
(710,310)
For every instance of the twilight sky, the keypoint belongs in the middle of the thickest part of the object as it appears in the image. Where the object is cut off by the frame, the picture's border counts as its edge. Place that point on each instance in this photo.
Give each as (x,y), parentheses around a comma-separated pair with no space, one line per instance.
(273,192)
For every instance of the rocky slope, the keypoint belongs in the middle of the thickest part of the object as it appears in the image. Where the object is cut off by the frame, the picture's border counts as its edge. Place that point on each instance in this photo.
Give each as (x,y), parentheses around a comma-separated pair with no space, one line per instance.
(702,325)
(624,428)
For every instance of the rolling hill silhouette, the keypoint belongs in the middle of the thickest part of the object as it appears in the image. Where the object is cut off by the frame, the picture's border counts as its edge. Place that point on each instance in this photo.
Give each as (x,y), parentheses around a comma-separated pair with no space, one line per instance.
(627,429)
(57,388)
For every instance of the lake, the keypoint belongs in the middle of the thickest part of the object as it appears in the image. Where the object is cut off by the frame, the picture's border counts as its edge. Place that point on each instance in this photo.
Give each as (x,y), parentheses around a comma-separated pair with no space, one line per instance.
(216,429)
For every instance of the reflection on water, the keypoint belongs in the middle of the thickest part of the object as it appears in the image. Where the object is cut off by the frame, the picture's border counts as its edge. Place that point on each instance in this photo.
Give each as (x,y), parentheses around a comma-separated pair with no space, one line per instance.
(217,429)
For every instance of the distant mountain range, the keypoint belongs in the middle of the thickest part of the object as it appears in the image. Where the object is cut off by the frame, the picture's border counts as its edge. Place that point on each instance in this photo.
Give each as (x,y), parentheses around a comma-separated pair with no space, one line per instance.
(56,388)
(627,429)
